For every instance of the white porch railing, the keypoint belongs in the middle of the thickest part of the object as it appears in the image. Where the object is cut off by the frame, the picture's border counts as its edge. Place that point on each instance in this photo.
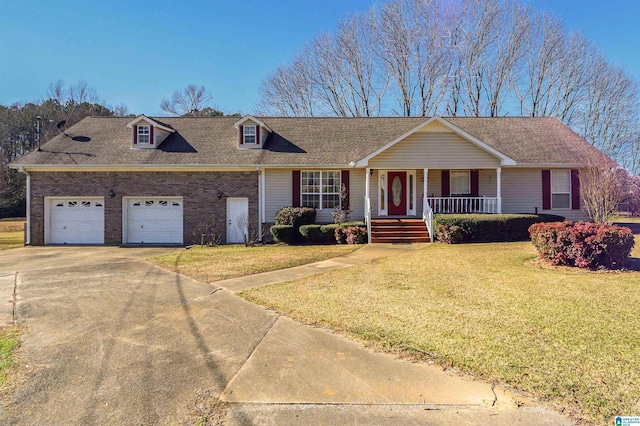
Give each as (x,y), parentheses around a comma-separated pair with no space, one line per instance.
(427,216)
(463,204)
(367,217)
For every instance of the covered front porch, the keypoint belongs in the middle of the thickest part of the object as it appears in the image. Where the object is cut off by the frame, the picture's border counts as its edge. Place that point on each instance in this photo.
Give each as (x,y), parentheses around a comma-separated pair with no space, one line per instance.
(405,193)
(420,193)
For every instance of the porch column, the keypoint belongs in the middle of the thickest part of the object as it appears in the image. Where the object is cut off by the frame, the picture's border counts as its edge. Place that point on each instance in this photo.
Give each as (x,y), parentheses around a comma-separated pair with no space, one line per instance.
(367,203)
(425,186)
(499,189)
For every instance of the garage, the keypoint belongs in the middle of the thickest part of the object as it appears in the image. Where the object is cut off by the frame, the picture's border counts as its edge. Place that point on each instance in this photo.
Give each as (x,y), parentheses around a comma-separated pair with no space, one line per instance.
(152,220)
(74,220)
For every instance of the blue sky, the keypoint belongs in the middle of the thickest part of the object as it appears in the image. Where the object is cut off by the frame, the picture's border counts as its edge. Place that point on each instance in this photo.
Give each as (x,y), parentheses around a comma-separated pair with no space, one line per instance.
(139,52)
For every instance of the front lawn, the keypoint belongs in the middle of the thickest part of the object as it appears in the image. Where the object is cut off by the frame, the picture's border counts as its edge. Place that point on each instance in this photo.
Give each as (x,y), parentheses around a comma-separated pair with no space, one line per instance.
(209,264)
(568,336)
(11,233)
(8,343)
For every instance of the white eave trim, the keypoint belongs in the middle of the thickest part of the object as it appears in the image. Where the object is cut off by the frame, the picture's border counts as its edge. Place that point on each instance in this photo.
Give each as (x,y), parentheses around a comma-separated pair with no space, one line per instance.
(504,160)
(253,119)
(173,167)
(550,165)
(135,167)
(149,121)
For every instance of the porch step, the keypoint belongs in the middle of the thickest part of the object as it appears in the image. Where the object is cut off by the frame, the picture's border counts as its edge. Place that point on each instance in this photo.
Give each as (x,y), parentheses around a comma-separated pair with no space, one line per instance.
(399,231)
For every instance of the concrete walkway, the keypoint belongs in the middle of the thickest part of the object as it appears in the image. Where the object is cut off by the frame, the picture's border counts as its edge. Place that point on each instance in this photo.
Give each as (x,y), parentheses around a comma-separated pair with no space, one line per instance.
(367,254)
(110,339)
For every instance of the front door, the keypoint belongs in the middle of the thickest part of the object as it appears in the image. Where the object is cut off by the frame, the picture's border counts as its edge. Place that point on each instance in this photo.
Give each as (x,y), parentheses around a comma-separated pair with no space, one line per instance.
(397,190)
(237,220)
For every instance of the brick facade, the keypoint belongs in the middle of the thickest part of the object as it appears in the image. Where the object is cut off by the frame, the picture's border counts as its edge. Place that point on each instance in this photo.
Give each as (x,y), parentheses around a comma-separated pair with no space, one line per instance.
(198,189)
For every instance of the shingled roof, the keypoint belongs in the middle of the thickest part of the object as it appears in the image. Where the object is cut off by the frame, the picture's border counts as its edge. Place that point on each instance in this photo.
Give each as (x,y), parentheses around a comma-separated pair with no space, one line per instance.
(212,141)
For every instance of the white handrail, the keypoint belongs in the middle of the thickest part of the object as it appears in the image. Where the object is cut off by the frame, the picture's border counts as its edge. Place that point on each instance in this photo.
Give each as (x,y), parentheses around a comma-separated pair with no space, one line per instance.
(464,204)
(427,216)
(367,217)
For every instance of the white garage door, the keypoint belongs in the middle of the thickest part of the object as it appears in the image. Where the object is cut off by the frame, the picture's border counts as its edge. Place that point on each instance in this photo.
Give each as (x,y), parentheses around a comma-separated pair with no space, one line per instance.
(75,221)
(155,220)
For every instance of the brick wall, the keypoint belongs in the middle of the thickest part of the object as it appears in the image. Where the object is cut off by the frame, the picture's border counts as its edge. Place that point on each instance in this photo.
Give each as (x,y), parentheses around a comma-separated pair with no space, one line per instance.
(198,189)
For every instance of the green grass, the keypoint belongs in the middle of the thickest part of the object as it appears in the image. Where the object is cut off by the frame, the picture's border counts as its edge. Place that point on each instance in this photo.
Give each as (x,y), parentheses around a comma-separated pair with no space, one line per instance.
(493,310)
(8,343)
(11,233)
(209,264)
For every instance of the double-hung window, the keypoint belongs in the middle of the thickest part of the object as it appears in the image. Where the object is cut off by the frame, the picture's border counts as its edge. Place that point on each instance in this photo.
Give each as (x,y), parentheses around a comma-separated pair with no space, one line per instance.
(249,135)
(460,181)
(560,189)
(320,189)
(144,134)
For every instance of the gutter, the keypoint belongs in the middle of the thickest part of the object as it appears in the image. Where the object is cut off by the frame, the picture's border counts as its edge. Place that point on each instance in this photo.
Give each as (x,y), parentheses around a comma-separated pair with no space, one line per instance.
(27,241)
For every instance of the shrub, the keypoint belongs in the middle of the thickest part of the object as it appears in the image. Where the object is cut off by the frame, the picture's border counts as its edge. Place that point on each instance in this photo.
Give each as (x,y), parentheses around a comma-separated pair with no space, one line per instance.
(449,234)
(478,228)
(329,233)
(350,224)
(351,235)
(356,235)
(296,216)
(582,244)
(312,234)
(285,234)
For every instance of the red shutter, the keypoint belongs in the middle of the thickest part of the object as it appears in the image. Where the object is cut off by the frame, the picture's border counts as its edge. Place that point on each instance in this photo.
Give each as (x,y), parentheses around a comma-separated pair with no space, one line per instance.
(257,135)
(445,184)
(546,189)
(344,181)
(240,135)
(151,135)
(475,185)
(575,189)
(135,135)
(295,189)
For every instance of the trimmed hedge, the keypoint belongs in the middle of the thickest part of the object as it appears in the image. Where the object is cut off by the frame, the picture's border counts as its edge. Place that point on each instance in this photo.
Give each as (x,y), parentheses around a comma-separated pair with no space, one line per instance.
(285,234)
(583,244)
(296,216)
(476,228)
(343,233)
(312,234)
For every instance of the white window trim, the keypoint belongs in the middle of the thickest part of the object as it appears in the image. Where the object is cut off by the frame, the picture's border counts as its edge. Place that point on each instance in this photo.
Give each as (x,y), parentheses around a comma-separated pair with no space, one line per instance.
(321,193)
(468,172)
(147,134)
(255,134)
(552,192)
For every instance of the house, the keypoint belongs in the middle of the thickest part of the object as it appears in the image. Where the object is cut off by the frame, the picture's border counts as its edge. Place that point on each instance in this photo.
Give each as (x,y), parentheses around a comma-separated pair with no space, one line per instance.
(118,180)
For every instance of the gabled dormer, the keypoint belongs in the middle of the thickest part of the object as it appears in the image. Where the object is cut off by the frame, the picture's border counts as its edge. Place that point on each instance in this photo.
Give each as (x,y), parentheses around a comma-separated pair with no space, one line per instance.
(252,133)
(147,133)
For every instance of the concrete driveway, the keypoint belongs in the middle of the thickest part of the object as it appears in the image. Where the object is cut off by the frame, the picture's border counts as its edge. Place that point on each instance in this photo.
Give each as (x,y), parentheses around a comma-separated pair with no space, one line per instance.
(111,339)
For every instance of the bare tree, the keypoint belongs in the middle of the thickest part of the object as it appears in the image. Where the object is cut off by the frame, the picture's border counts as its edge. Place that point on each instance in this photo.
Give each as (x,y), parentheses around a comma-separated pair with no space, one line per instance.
(602,189)
(471,57)
(289,91)
(120,110)
(189,101)
(396,41)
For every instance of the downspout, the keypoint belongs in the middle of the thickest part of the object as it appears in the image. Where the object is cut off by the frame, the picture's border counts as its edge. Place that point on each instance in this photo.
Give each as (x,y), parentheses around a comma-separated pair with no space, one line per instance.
(260,201)
(27,241)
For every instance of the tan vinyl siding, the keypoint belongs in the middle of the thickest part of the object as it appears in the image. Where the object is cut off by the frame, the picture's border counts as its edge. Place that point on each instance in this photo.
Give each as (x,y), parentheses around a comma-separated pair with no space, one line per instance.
(159,135)
(431,150)
(278,194)
(522,193)
(357,183)
(487,183)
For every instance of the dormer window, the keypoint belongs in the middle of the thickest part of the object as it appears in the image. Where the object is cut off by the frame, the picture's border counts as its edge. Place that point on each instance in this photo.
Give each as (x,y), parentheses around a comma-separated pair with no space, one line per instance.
(249,135)
(144,134)
(147,133)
